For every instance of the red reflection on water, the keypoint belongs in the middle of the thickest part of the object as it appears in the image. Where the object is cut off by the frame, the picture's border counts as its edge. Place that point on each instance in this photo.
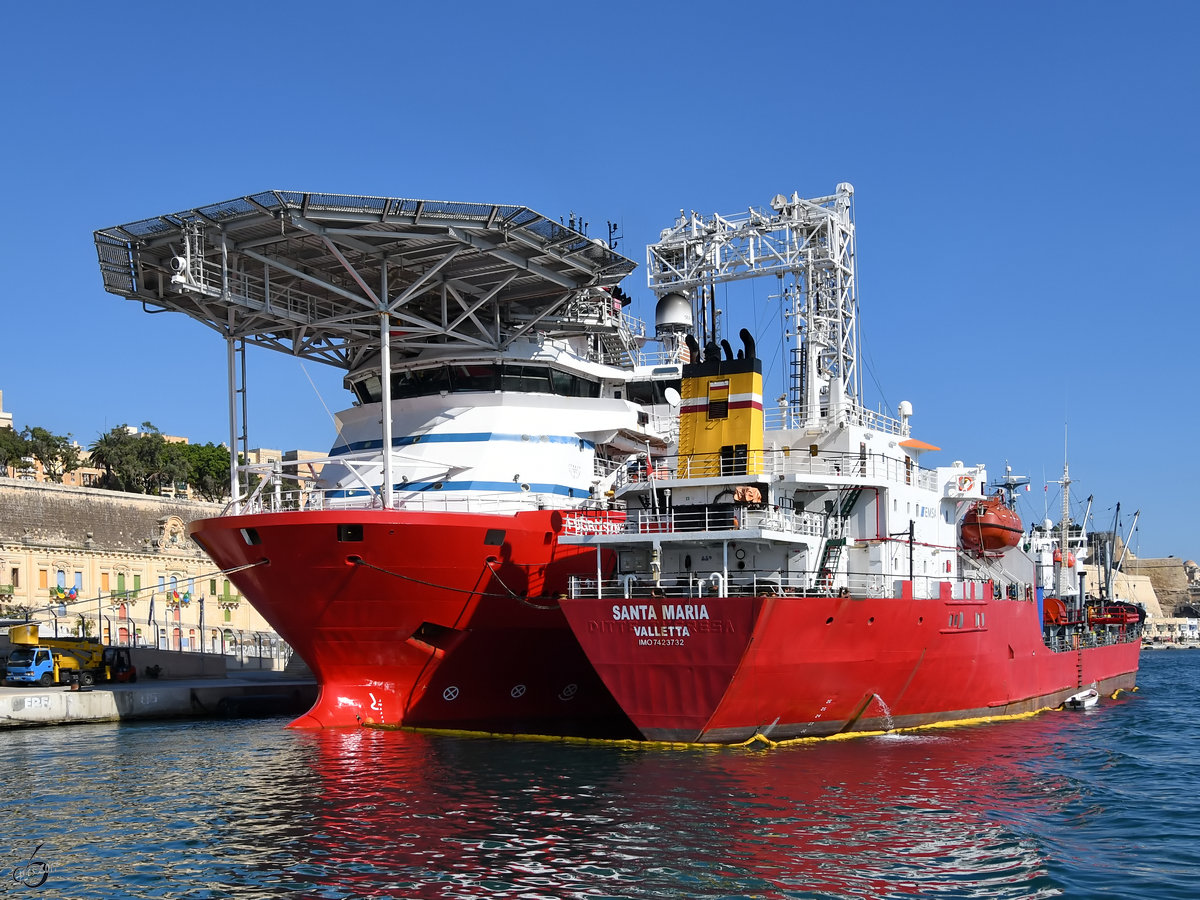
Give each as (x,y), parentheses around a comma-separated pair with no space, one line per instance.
(402,814)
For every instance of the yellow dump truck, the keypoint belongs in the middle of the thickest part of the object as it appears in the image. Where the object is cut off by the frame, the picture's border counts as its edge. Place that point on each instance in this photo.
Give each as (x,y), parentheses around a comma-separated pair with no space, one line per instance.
(46,661)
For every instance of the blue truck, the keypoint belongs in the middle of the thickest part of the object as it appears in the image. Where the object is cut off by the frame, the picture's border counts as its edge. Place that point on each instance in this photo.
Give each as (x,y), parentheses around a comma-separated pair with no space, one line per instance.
(50,661)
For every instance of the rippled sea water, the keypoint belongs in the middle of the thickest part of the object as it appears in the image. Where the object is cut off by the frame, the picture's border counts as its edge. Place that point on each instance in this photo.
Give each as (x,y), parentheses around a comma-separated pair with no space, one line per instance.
(1102,803)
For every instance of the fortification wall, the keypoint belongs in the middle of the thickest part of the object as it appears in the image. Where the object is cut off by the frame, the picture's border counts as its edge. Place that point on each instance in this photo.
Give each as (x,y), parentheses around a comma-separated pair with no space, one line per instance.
(61,516)
(1169,577)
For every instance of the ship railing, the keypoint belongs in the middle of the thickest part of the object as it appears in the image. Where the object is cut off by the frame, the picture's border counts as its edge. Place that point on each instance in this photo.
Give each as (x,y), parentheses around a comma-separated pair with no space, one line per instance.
(695,586)
(670,521)
(656,357)
(605,468)
(315,500)
(1065,638)
(807,583)
(428,502)
(873,468)
(285,300)
(272,489)
(964,596)
(787,417)
(598,309)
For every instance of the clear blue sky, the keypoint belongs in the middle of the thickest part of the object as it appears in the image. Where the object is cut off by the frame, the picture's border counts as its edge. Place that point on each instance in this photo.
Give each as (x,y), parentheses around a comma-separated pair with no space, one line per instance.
(1026,193)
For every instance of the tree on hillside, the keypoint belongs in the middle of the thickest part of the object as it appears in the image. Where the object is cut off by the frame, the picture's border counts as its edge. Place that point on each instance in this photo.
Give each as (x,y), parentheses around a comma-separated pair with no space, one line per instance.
(110,452)
(139,463)
(208,469)
(13,448)
(145,462)
(57,454)
(159,463)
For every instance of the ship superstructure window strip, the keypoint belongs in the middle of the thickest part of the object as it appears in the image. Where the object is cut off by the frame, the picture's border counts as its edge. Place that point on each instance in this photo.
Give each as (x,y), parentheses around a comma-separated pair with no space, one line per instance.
(482,378)
(650,393)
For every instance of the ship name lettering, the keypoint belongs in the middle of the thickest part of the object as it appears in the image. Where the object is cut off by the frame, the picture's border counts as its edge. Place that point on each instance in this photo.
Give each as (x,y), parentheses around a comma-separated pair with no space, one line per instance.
(684,611)
(661,631)
(715,627)
(640,612)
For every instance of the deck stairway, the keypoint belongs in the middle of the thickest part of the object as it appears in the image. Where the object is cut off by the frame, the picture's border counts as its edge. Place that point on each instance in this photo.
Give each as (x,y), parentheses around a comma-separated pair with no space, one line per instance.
(831,555)
(616,351)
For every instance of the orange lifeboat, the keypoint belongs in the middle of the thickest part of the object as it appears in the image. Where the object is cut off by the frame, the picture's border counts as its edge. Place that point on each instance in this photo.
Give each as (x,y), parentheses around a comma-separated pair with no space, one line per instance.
(989,527)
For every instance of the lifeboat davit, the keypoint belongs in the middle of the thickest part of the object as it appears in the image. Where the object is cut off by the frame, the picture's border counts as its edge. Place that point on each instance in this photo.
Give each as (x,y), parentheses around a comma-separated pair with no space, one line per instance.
(990,527)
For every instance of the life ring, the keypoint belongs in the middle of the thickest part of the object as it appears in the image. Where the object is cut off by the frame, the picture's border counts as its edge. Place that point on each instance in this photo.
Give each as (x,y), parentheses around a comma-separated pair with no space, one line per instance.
(965,482)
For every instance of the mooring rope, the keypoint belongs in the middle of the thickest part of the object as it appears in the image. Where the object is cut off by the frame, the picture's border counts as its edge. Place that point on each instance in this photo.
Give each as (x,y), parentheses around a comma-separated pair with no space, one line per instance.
(513,595)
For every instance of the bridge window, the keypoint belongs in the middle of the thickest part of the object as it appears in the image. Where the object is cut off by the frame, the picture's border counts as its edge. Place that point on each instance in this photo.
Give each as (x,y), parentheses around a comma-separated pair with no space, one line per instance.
(526,379)
(420,383)
(650,393)
(477,378)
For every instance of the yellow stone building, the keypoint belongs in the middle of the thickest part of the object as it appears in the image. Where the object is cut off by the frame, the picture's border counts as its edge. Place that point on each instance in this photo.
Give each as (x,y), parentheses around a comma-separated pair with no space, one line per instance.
(120,566)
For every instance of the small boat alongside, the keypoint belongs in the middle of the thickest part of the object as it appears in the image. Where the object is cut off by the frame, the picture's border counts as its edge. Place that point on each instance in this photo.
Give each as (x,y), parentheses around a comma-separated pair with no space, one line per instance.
(1083,700)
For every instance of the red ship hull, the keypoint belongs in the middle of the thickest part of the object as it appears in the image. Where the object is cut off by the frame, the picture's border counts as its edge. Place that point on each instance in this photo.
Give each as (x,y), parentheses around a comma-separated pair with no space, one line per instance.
(725,669)
(446,620)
